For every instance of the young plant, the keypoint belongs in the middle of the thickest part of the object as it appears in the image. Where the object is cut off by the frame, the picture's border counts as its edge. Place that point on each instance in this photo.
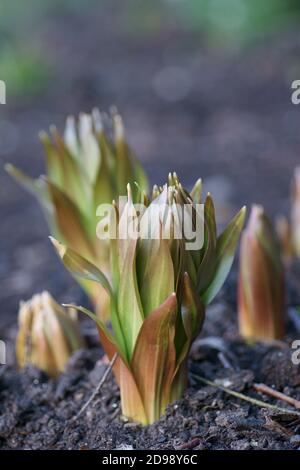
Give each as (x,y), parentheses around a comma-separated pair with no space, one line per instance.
(295,211)
(48,334)
(283,230)
(159,290)
(84,169)
(261,281)
(288,231)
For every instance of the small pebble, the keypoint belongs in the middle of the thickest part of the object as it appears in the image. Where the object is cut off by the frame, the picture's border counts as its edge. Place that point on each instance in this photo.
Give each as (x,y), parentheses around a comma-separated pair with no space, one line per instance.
(124,447)
(295,439)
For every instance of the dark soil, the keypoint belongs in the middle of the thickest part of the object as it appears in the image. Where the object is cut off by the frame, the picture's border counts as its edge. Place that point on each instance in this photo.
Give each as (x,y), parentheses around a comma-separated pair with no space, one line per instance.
(38,413)
(236,128)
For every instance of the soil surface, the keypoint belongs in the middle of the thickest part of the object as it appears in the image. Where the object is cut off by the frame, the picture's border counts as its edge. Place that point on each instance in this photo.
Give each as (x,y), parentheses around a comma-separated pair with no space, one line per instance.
(38,413)
(231,123)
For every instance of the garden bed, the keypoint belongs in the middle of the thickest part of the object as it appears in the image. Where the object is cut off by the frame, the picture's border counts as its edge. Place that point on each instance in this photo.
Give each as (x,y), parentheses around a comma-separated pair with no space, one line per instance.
(236,128)
(38,413)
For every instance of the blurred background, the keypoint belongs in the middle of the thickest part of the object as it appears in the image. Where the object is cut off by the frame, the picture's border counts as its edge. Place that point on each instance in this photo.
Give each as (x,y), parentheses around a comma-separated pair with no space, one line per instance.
(204,87)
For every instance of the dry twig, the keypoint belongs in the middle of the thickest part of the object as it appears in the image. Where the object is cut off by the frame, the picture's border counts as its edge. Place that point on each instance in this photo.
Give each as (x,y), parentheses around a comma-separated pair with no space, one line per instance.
(190,444)
(96,391)
(241,396)
(262,388)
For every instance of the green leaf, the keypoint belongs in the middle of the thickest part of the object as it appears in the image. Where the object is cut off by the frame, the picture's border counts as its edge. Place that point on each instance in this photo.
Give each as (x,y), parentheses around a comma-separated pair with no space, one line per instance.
(103,192)
(79,266)
(74,181)
(140,175)
(123,164)
(190,266)
(38,188)
(89,148)
(206,268)
(154,357)
(197,191)
(155,273)
(118,340)
(192,318)
(70,137)
(28,183)
(132,404)
(225,251)
(193,312)
(70,221)
(53,161)
(130,310)
(96,319)
(110,343)
(114,249)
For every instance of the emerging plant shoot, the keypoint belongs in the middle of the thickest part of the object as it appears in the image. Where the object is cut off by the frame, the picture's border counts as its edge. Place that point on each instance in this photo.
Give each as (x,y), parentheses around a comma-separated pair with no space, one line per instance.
(158,291)
(84,169)
(48,334)
(261,281)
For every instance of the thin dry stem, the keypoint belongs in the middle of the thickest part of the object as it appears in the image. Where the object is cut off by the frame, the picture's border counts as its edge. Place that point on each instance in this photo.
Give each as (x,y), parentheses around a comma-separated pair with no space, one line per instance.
(97,389)
(241,396)
(263,388)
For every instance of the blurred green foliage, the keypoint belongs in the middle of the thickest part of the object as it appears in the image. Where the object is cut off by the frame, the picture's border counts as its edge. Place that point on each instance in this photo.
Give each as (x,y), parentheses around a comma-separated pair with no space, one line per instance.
(233,22)
(225,22)
(23,65)
(16,16)
(240,21)
(24,71)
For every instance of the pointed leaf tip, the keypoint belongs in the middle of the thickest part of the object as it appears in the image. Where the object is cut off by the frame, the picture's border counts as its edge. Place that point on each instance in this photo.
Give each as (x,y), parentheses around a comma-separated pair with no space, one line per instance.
(79,266)
(60,248)
(243,210)
(42,135)
(9,168)
(226,247)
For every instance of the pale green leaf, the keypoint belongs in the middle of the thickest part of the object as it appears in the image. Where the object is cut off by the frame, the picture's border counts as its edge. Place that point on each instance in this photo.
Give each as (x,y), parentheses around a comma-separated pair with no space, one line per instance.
(226,246)
(80,266)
